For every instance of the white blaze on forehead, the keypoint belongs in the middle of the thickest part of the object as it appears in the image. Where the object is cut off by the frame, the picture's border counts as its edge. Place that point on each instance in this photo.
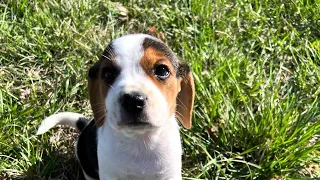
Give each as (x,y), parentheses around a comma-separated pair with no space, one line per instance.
(129,50)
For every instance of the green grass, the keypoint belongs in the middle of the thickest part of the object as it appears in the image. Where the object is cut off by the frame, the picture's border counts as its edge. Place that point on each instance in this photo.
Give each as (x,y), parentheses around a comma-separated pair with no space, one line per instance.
(256,67)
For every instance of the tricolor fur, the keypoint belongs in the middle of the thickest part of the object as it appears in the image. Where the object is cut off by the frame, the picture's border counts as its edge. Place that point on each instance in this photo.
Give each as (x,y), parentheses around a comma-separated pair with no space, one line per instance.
(137,90)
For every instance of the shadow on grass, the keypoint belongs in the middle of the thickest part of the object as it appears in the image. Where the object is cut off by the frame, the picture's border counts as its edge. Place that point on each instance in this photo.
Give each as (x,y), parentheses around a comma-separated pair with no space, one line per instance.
(58,158)
(62,168)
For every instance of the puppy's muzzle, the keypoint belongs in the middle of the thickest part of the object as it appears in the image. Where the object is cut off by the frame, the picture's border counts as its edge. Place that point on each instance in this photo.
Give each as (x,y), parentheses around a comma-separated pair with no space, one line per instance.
(133,107)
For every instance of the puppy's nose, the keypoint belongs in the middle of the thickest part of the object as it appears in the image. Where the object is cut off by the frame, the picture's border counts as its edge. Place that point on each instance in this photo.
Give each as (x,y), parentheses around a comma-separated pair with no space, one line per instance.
(133,102)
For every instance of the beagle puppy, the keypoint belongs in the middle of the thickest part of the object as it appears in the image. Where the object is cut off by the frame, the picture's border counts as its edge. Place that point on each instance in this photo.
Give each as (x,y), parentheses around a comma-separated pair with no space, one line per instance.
(137,90)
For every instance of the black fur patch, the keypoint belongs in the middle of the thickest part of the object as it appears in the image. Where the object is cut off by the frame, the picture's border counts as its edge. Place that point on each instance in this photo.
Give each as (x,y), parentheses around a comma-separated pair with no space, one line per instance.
(94,70)
(108,55)
(87,150)
(183,70)
(81,123)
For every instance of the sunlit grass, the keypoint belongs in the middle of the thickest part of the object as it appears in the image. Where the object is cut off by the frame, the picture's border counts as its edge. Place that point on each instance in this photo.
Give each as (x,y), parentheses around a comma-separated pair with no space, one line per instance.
(255,63)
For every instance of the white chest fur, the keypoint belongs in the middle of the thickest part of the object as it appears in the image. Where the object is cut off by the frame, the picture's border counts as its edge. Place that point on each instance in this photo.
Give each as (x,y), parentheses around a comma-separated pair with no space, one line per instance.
(155,156)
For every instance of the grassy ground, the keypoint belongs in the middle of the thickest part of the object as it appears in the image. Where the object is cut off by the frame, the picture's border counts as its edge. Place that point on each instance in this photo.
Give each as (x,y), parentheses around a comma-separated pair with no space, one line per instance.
(256,67)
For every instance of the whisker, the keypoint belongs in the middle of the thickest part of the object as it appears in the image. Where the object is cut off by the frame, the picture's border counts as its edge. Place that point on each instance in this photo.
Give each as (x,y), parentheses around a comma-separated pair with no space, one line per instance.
(111,52)
(101,110)
(98,107)
(98,104)
(108,58)
(144,143)
(182,116)
(182,105)
(111,86)
(100,119)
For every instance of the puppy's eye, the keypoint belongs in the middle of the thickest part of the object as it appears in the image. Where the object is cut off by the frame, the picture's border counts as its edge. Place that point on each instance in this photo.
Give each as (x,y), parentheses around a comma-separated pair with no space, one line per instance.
(109,74)
(161,72)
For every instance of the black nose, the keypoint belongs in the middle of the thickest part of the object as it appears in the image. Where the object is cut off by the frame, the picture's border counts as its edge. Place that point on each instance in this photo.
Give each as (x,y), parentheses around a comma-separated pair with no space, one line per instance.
(133,102)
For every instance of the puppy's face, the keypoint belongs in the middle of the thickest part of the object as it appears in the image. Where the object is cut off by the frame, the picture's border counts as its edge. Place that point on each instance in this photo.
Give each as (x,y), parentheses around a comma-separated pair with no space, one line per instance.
(135,84)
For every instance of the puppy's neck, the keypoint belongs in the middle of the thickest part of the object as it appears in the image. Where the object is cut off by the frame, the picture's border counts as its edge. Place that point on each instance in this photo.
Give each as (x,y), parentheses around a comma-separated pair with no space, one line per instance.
(154,155)
(147,139)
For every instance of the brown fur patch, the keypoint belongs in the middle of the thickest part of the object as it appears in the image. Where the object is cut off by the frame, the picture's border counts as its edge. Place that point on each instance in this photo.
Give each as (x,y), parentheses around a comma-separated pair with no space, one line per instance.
(98,90)
(179,91)
(168,87)
(97,94)
(185,101)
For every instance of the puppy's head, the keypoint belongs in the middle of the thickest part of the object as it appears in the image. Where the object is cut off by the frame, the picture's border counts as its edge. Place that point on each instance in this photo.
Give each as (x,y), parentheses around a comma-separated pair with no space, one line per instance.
(139,84)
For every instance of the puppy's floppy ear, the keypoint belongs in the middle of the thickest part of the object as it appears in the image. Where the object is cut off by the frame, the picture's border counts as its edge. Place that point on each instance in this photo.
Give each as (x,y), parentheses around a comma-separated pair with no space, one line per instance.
(95,94)
(185,97)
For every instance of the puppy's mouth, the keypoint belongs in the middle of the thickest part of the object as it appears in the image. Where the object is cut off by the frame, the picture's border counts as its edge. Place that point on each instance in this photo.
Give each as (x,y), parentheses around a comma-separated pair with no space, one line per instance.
(134,122)
(137,124)
(136,127)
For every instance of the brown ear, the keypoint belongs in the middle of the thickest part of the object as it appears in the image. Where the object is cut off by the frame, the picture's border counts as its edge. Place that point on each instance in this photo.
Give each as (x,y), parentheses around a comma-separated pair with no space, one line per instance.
(96,94)
(185,100)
